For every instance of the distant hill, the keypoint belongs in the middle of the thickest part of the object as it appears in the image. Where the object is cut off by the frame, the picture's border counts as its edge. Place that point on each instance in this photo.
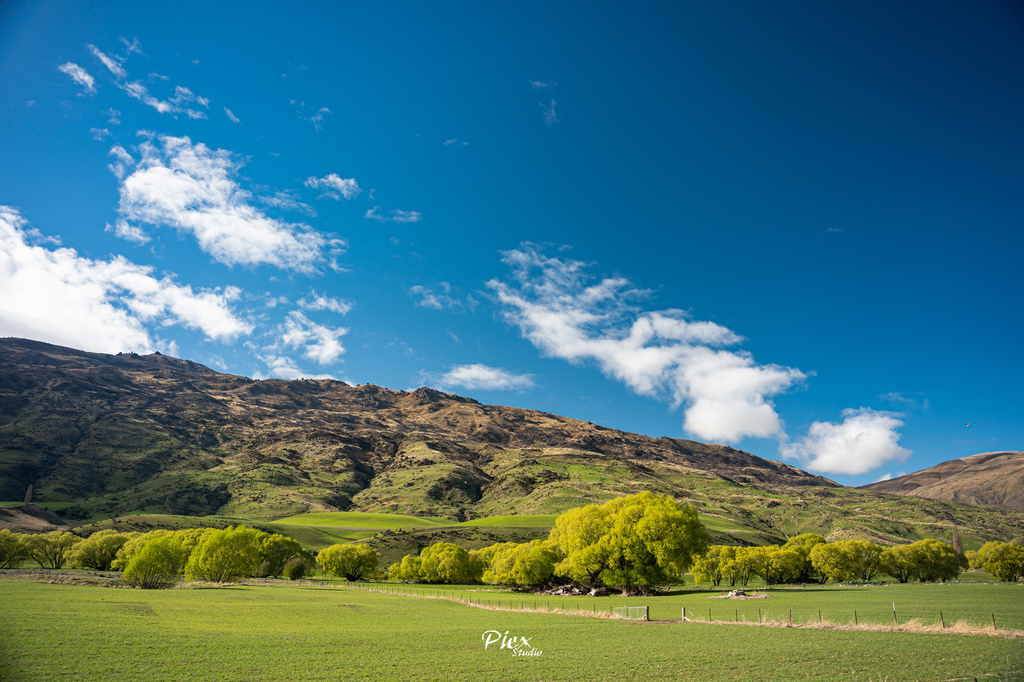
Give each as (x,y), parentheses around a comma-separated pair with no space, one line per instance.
(990,478)
(101,436)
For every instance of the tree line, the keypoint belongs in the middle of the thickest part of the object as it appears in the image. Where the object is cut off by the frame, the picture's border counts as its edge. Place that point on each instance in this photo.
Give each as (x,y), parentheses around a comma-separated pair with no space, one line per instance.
(157,558)
(633,544)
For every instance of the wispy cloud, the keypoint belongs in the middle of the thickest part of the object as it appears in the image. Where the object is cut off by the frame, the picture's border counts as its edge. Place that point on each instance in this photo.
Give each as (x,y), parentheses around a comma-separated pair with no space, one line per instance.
(440,298)
(99,134)
(484,378)
(179,103)
(284,367)
(80,76)
(231,116)
(542,85)
(662,354)
(865,440)
(113,64)
(460,143)
(550,116)
(318,342)
(395,216)
(317,301)
(194,190)
(334,186)
(102,305)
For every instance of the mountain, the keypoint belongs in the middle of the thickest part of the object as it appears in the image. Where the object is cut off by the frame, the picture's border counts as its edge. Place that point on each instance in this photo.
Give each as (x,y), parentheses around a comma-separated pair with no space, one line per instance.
(101,436)
(989,478)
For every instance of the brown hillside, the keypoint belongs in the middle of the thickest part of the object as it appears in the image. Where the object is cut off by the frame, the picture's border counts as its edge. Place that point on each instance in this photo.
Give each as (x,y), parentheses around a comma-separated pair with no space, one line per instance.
(118,433)
(990,478)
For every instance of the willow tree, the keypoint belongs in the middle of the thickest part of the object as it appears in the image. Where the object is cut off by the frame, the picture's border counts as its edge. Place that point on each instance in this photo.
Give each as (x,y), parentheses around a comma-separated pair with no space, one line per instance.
(632,543)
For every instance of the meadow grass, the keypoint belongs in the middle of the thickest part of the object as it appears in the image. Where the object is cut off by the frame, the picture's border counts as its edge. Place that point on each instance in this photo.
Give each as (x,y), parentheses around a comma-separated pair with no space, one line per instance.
(290,632)
(520,521)
(365,520)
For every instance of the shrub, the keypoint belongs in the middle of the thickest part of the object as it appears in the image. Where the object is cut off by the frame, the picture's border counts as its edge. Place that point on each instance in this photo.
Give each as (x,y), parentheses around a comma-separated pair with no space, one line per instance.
(157,564)
(351,562)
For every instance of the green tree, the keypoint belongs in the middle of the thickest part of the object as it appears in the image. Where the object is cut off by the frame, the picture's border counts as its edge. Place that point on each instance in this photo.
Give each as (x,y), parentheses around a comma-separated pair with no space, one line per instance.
(936,560)
(444,562)
(50,550)
(774,564)
(351,562)
(277,551)
(226,555)
(899,562)
(803,544)
(99,550)
(1003,560)
(133,546)
(157,564)
(576,535)
(11,548)
(523,565)
(297,567)
(741,569)
(847,560)
(635,542)
(713,565)
(406,571)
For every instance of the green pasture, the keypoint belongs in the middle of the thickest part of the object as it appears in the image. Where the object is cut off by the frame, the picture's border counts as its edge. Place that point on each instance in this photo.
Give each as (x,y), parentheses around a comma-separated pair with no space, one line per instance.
(293,632)
(363,520)
(974,603)
(520,521)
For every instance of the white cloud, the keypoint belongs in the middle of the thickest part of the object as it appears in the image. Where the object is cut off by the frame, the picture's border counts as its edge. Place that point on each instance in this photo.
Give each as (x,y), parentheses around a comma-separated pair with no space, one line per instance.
(80,76)
(318,343)
(100,134)
(865,440)
(192,188)
(60,297)
(662,354)
(231,116)
(114,116)
(122,161)
(396,216)
(112,63)
(440,300)
(884,477)
(321,302)
(484,378)
(283,367)
(449,143)
(550,117)
(180,103)
(334,186)
(542,85)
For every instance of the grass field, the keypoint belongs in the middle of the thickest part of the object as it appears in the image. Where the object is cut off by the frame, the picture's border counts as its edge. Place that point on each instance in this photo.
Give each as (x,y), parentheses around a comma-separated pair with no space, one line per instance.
(322,633)
(363,520)
(521,521)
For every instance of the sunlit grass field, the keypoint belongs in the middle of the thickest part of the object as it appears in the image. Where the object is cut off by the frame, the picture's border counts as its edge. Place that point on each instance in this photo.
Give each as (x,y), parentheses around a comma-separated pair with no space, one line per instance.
(291,632)
(363,520)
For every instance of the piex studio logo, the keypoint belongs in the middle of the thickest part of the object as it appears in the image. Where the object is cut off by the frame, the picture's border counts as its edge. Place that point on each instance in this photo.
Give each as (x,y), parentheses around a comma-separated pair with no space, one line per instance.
(519,646)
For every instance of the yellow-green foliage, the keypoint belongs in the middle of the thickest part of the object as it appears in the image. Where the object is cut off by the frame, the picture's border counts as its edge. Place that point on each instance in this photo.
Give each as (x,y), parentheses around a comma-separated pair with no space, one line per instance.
(405,571)
(1004,560)
(524,565)
(50,550)
(226,555)
(351,562)
(642,540)
(99,550)
(715,565)
(847,560)
(157,564)
(12,548)
(444,562)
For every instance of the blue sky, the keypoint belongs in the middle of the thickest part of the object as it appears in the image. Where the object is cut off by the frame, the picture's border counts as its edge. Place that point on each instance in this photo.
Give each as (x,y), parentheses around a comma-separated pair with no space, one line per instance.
(789,227)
